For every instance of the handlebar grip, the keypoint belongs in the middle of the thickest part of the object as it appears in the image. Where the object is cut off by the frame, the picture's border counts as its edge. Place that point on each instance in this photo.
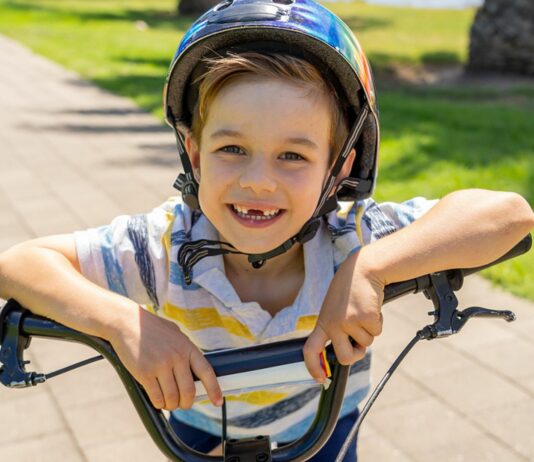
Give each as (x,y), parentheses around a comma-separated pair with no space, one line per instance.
(520,248)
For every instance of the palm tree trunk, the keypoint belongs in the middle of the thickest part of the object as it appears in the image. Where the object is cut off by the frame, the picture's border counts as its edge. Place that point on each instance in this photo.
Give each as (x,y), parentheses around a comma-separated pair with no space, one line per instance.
(502,37)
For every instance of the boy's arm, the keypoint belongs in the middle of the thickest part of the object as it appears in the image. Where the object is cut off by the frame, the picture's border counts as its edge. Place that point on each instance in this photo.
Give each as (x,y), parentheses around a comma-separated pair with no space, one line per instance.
(44,275)
(465,229)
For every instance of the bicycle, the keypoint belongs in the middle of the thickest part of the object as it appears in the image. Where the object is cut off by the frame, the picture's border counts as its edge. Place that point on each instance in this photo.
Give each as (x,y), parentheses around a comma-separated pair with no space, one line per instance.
(18,326)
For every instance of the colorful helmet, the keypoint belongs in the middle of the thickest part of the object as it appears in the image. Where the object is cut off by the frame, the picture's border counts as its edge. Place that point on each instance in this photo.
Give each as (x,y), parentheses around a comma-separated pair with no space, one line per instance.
(299,27)
(302,28)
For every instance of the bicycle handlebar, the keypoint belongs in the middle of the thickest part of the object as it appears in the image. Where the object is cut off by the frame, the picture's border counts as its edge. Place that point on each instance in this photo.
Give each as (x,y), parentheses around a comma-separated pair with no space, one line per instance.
(23,325)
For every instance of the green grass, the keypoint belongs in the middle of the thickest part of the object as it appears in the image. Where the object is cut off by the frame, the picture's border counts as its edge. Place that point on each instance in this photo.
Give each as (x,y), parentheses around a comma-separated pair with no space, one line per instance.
(434,140)
(406,36)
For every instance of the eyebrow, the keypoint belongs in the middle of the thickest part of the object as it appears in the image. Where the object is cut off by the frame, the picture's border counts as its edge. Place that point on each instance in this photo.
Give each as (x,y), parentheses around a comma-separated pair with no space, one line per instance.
(234,133)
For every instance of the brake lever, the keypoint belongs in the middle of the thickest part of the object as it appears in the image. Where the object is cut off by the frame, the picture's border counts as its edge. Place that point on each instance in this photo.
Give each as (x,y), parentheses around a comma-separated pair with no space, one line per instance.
(463,316)
(448,320)
(13,374)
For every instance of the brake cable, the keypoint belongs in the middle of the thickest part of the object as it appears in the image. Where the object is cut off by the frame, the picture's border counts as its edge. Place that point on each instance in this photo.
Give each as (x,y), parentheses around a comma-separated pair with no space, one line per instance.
(73,366)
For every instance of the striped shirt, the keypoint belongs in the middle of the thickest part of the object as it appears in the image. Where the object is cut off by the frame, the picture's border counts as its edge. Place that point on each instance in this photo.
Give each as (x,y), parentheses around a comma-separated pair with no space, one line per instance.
(136,256)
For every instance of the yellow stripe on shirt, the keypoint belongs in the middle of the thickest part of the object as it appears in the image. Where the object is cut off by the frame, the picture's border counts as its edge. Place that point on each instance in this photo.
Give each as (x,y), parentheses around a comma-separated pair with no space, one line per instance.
(358,220)
(255,398)
(166,236)
(205,318)
(306,322)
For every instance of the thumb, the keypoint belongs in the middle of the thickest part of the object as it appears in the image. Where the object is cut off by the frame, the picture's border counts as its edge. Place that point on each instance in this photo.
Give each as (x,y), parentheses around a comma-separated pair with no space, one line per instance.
(313,348)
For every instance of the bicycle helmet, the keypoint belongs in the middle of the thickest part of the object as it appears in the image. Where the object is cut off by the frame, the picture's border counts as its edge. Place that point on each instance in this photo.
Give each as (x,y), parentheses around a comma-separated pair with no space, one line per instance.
(302,28)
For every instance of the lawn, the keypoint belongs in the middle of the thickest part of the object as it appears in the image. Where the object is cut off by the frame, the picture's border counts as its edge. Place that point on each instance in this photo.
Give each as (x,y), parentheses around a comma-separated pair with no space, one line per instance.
(434,139)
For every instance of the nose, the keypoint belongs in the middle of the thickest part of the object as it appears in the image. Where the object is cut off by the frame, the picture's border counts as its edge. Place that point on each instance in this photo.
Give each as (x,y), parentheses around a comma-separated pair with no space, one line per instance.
(257,175)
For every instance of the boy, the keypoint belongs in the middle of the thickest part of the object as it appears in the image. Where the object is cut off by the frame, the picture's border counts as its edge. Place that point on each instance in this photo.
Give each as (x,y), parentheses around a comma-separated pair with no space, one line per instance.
(275,119)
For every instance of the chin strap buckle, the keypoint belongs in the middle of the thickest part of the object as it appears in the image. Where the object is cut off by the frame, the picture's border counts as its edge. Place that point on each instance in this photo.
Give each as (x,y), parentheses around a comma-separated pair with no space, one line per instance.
(309,230)
(188,186)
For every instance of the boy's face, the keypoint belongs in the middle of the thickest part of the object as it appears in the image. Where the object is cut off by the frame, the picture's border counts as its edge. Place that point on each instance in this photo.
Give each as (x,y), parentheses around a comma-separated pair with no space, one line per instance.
(262,161)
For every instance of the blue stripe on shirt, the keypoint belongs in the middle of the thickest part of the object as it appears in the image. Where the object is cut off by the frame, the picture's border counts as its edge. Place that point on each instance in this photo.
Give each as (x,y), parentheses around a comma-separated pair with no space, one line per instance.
(113,268)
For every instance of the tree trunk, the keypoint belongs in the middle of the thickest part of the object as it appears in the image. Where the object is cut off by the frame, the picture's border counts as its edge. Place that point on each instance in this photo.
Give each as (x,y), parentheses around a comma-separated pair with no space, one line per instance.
(195,7)
(502,37)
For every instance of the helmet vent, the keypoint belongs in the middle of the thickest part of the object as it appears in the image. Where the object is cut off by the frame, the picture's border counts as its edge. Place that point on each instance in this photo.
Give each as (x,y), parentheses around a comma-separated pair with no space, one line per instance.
(224,5)
(284,2)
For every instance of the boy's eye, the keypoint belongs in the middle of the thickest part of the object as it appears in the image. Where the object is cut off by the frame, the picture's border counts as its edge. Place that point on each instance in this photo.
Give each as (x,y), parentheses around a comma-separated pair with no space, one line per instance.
(232,149)
(291,156)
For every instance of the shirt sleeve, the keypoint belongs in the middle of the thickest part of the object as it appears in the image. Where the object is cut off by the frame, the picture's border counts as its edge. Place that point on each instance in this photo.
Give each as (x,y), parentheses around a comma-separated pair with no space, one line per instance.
(130,255)
(379,220)
(360,223)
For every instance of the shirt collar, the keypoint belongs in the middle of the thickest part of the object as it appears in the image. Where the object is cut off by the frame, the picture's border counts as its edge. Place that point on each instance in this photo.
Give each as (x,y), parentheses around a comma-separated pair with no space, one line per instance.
(209,272)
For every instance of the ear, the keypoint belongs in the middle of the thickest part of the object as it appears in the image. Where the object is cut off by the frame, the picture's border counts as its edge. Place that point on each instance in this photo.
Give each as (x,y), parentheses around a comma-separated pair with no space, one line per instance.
(193,153)
(347,166)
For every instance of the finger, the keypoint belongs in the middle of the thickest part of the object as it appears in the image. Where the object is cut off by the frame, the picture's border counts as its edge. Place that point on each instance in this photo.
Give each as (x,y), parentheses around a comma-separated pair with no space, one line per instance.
(186,386)
(203,370)
(170,389)
(312,350)
(343,348)
(373,324)
(154,393)
(360,335)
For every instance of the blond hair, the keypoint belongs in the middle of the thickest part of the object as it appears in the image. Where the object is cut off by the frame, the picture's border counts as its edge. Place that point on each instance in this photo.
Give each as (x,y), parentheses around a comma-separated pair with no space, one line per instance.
(223,70)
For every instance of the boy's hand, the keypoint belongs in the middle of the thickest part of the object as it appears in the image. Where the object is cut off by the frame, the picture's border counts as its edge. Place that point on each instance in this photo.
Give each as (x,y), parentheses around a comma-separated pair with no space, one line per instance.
(162,359)
(351,310)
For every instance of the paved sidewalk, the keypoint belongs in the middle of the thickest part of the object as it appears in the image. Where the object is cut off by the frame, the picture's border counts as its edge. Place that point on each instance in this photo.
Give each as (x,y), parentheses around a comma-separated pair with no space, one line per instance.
(74,156)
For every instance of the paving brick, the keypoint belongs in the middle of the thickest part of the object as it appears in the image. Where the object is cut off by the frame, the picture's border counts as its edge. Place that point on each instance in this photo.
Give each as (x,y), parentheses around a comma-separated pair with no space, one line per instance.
(35,415)
(47,215)
(400,388)
(472,389)
(109,420)
(373,446)
(88,385)
(479,449)
(513,424)
(419,427)
(136,449)
(514,358)
(45,448)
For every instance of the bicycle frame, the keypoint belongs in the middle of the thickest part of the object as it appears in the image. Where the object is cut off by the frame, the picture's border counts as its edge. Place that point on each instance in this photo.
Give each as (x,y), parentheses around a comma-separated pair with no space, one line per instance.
(18,326)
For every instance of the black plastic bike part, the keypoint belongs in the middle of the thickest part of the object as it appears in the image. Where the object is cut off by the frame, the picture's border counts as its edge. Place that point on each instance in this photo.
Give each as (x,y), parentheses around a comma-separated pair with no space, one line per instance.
(12,370)
(224,424)
(256,449)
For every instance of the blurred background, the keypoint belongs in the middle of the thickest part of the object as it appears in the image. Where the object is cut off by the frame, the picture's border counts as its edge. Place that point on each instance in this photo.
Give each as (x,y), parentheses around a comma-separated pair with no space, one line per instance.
(455,82)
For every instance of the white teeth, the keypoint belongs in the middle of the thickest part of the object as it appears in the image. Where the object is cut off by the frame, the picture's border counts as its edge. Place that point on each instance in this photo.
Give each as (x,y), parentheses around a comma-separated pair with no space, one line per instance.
(267,214)
(272,212)
(241,209)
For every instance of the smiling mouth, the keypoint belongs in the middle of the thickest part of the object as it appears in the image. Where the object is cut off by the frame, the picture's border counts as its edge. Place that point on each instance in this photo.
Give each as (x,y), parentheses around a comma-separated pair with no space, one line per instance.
(255,214)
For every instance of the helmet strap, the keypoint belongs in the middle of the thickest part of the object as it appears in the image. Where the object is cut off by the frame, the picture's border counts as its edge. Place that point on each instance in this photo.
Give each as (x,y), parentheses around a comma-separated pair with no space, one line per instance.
(191,252)
(185,182)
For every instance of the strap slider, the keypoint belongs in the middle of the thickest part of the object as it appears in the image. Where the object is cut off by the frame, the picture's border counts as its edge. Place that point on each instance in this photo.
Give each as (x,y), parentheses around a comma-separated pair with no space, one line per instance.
(309,230)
